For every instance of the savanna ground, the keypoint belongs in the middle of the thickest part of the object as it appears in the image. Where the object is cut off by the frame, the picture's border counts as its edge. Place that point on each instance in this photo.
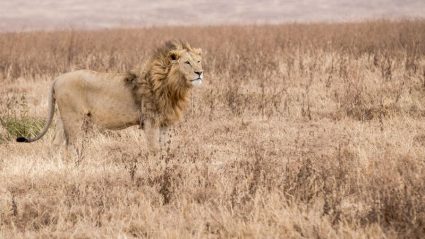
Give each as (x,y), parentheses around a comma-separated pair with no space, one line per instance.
(299,131)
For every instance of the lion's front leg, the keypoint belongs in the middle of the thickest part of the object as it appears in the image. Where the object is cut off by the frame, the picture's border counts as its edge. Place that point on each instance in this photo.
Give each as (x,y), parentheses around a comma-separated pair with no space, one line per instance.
(152,133)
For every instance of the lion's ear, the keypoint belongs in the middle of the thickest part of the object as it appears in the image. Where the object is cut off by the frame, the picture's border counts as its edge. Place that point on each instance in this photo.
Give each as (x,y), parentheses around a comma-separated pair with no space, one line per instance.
(174,56)
(198,51)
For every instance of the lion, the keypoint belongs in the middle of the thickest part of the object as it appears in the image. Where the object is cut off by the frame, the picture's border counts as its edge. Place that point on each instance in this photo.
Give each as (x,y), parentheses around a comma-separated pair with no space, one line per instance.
(153,98)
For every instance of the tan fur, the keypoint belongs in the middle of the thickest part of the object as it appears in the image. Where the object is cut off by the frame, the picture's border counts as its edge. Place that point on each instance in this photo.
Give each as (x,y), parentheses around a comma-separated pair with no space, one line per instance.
(157,95)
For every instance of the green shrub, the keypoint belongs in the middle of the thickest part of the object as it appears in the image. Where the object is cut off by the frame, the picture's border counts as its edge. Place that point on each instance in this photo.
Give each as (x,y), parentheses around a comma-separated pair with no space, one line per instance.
(26,127)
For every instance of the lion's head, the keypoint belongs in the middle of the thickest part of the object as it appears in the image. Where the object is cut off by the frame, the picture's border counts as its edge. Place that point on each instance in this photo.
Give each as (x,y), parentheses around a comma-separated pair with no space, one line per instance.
(188,62)
(179,60)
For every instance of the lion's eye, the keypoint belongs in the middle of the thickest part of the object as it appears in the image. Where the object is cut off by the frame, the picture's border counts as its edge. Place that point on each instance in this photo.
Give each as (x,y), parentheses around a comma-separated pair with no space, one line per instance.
(199,61)
(187,62)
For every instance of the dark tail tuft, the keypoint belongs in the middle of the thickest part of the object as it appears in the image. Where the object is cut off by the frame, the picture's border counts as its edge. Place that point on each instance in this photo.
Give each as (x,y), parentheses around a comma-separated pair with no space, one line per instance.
(22,140)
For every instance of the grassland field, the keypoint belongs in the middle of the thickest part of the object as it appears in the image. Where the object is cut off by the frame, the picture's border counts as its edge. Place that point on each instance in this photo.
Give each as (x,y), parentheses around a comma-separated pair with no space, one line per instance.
(299,131)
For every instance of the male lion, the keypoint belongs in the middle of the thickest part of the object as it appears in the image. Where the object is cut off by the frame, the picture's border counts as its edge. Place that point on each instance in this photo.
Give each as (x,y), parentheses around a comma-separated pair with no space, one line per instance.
(153,98)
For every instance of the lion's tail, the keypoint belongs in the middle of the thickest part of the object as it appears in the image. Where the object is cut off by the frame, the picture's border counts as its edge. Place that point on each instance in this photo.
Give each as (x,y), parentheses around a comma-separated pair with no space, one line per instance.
(52,101)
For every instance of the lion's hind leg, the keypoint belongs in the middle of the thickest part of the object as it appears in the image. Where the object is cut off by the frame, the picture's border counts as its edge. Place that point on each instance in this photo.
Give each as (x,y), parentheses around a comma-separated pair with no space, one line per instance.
(59,141)
(60,138)
(73,124)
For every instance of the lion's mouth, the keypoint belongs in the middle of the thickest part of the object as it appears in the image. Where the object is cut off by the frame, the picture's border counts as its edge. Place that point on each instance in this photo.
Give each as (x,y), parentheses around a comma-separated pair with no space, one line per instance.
(197,81)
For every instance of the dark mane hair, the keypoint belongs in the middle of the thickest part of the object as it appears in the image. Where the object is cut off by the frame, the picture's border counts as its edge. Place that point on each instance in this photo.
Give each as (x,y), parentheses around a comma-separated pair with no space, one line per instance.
(176,44)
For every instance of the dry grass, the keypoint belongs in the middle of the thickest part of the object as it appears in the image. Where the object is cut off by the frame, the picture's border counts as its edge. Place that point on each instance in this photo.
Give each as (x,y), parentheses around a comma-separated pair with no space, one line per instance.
(300,131)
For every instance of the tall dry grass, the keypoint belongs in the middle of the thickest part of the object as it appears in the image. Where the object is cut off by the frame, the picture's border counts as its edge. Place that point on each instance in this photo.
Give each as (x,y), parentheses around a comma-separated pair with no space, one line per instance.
(301,130)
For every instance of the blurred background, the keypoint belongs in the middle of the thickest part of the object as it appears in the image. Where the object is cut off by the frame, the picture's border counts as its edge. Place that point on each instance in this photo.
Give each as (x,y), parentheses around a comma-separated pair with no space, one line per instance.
(51,14)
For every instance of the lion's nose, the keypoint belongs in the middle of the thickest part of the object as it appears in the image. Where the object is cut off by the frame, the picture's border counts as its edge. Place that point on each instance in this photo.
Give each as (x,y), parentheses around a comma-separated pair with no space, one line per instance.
(198,72)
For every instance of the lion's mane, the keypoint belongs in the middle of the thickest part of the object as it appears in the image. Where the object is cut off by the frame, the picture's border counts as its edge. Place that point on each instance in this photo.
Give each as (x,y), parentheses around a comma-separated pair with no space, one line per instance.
(157,89)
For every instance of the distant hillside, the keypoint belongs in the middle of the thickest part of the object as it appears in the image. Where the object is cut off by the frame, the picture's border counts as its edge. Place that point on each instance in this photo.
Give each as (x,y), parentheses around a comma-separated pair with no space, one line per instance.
(51,14)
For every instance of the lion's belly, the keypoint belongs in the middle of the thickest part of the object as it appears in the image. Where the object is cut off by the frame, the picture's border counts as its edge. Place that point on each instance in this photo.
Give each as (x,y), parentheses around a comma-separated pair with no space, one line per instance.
(119,118)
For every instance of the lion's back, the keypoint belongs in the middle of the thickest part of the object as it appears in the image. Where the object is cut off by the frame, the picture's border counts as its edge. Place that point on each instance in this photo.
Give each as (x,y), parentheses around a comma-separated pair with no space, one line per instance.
(87,80)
